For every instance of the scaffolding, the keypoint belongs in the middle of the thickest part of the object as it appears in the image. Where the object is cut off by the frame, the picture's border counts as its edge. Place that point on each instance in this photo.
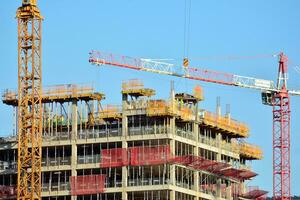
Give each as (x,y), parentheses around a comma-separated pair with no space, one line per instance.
(109,112)
(170,108)
(225,124)
(161,108)
(58,93)
(93,151)
(250,151)
(135,87)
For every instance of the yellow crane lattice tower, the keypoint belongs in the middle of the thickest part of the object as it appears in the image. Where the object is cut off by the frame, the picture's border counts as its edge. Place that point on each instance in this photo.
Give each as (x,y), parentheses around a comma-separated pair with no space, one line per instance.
(29,101)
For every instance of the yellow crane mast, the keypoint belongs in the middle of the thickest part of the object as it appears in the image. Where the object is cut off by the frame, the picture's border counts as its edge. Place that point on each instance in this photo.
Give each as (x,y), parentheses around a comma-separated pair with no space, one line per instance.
(29,100)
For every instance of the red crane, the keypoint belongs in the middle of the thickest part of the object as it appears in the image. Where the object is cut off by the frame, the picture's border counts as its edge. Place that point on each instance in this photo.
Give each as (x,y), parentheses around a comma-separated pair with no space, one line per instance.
(277,96)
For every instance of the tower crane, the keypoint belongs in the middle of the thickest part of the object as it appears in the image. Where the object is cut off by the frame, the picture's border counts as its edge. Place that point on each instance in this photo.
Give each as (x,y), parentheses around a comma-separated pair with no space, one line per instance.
(277,96)
(29,101)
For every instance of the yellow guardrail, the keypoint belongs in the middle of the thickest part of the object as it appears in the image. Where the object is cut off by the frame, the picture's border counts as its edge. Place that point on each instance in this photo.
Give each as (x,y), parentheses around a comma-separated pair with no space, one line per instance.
(110,111)
(132,84)
(251,151)
(174,108)
(225,123)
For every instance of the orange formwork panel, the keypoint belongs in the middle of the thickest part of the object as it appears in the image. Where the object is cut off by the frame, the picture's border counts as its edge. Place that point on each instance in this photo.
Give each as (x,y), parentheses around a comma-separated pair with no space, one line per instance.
(150,155)
(116,157)
(87,184)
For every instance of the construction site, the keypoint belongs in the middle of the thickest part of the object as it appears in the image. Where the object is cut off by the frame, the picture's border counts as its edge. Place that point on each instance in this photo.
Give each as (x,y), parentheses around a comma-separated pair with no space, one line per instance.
(146,148)
(69,145)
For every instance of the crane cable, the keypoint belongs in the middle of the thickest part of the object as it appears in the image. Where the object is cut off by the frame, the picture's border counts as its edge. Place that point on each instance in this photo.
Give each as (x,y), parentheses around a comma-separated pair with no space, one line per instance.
(187,27)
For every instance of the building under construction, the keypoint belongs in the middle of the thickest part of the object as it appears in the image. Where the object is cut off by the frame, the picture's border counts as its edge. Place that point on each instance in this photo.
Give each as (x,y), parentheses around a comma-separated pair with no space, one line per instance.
(146,148)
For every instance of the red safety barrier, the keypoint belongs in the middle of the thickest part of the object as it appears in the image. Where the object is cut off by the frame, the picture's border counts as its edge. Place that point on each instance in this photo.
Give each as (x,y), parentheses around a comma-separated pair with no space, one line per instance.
(150,155)
(7,192)
(89,184)
(253,192)
(200,163)
(117,157)
(240,174)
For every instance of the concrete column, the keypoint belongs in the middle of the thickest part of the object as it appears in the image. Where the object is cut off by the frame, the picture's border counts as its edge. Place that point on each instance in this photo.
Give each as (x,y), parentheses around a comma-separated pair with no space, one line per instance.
(73,142)
(219,140)
(172,166)
(124,145)
(196,152)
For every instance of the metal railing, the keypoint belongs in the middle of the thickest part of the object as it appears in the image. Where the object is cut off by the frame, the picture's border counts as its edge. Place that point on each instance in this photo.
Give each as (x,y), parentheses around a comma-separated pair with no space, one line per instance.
(50,161)
(50,187)
(88,159)
(148,130)
(186,134)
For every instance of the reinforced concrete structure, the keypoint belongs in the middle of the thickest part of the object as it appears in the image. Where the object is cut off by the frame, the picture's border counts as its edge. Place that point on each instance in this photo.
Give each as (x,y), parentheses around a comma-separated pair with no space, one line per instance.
(146,148)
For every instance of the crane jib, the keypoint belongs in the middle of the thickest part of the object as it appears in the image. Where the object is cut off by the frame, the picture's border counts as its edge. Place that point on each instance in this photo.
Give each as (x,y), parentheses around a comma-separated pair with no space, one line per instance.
(148,65)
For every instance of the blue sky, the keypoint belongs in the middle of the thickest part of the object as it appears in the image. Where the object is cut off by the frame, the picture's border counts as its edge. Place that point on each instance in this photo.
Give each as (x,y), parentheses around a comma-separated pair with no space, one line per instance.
(154,29)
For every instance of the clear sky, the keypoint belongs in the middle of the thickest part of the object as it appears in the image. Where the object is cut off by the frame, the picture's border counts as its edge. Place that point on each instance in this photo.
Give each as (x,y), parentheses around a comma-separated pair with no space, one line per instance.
(154,29)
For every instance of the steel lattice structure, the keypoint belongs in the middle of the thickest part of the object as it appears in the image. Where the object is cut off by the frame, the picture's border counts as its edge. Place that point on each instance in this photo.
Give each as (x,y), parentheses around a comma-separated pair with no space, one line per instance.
(29,101)
(281,135)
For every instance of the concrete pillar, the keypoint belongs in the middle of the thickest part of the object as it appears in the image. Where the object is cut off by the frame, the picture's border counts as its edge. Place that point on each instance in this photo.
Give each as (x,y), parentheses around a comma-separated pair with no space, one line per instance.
(196,152)
(172,166)
(73,142)
(219,141)
(124,145)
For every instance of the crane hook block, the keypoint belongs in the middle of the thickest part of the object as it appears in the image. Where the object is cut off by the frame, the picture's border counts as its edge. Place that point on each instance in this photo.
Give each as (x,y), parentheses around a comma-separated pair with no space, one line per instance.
(185,62)
(29,2)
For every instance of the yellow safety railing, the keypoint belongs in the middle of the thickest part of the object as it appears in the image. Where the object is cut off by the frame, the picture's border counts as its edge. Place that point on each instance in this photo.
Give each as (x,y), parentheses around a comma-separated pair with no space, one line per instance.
(9,95)
(160,107)
(225,123)
(55,90)
(136,87)
(174,108)
(186,114)
(69,89)
(110,111)
(132,84)
(251,151)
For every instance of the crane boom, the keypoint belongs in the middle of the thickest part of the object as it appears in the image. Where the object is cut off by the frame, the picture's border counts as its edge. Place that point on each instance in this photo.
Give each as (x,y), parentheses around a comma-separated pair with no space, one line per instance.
(148,65)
